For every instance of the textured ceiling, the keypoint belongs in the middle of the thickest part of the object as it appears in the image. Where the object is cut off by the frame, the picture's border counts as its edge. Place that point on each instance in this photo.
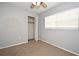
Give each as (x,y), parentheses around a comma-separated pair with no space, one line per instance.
(27,5)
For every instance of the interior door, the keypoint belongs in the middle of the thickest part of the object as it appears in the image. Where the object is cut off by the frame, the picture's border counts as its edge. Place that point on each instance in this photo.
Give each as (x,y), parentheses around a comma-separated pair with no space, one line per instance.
(30,28)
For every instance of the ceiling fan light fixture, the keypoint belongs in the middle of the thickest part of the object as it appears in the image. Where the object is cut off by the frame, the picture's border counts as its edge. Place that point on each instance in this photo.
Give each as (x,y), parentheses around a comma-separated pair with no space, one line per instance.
(38,4)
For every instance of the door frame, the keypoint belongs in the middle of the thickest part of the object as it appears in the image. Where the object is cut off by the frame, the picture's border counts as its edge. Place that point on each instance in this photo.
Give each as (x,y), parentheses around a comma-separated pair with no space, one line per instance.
(36,27)
(33,23)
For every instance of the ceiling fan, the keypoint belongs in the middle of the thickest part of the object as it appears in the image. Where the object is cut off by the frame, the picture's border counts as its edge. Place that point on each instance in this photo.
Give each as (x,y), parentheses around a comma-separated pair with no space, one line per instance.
(38,4)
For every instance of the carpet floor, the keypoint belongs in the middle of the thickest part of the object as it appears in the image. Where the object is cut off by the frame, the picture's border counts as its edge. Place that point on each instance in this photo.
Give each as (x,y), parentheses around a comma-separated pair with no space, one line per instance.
(34,48)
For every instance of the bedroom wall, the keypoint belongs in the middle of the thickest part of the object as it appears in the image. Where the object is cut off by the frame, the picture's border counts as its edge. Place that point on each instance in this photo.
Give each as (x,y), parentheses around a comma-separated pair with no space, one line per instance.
(13,26)
(67,39)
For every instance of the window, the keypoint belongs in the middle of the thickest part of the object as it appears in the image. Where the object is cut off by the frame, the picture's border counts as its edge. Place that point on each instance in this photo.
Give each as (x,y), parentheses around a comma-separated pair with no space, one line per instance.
(64,20)
(50,21)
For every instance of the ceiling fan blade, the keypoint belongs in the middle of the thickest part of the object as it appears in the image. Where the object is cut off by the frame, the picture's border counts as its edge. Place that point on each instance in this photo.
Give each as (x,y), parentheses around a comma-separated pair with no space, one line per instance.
(43,4)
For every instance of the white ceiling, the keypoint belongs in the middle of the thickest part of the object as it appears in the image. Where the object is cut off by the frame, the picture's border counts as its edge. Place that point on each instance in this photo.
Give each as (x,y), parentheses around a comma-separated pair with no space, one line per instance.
(27,5)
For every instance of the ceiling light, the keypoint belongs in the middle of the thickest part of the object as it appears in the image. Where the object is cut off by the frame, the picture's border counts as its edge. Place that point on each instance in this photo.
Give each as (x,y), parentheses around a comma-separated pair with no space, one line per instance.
(38,4)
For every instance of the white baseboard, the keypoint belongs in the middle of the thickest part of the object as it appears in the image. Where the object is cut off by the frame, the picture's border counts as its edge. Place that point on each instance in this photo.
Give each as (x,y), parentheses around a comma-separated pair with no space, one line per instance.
(60,47)
(13,45)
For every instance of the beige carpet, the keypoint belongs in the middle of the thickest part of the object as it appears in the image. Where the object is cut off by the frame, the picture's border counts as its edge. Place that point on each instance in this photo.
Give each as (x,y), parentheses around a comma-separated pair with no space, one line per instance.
(34,48)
